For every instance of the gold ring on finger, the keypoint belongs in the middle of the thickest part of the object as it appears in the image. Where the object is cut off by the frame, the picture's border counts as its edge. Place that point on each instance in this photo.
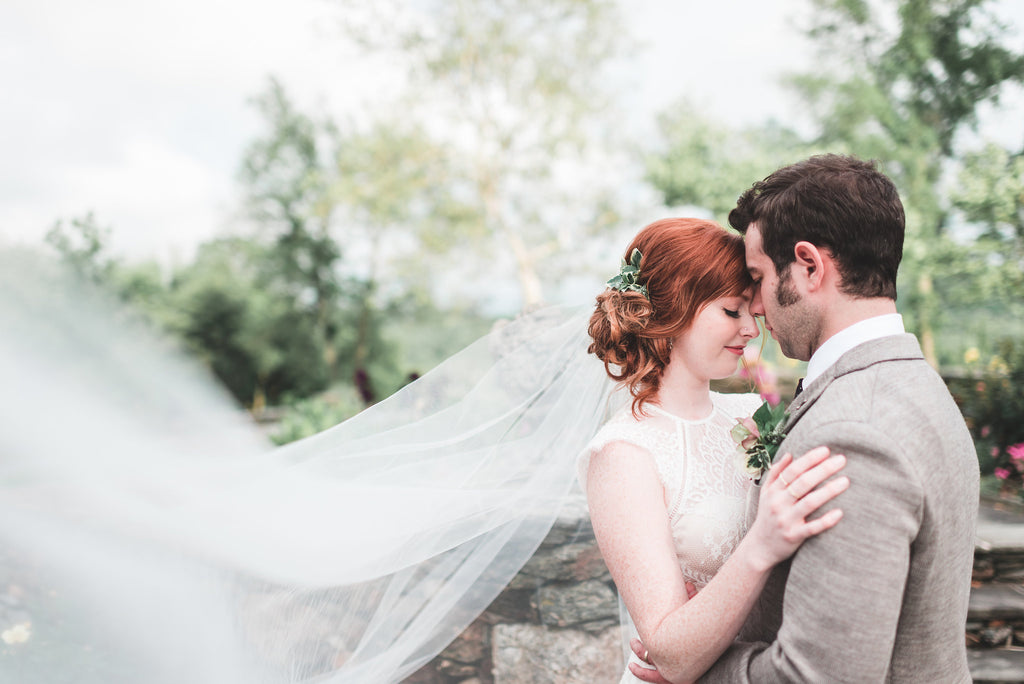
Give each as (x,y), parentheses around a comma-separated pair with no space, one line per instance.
(790,490)
(645,658)
(784,483)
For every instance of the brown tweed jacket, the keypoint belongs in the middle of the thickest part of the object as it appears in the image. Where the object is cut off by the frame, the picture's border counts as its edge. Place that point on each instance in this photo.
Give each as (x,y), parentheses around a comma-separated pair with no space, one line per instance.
(882,597)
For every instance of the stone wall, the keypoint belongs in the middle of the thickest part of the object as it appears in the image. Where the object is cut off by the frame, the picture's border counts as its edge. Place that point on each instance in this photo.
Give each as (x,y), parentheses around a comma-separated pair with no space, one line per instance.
(996,618)
(556,622)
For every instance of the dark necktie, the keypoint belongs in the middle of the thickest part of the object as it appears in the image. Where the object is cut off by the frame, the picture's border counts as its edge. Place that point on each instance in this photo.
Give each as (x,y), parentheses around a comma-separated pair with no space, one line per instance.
(799,388)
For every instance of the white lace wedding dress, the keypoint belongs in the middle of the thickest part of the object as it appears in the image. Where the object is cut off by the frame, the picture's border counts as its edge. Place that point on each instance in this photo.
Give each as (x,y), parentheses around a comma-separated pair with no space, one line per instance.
(699,468)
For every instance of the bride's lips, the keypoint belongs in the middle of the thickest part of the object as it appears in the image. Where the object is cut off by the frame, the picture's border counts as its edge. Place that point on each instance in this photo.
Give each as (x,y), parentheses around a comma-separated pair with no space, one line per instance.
(738,351)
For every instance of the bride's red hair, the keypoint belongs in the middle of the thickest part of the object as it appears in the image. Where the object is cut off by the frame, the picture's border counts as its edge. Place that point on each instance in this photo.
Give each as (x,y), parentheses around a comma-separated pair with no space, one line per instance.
(686,264)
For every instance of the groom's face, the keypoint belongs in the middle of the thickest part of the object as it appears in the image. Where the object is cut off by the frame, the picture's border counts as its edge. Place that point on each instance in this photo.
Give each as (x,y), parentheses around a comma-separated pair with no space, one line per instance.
(785,315)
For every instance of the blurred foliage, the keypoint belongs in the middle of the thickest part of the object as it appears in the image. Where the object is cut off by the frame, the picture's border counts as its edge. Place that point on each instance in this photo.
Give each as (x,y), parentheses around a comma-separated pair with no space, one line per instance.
(253,336)
(305,417)
(355,225)
(261,345)
(516,93)
(287,195)
(991,397)
(424,333)
(990,193)
(895,81)
(82,247)
(317,189)
(702,163)
(228,307)
(369,240)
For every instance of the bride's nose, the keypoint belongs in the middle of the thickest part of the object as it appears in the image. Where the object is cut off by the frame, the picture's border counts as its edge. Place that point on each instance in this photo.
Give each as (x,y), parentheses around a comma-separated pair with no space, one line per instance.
(749,329)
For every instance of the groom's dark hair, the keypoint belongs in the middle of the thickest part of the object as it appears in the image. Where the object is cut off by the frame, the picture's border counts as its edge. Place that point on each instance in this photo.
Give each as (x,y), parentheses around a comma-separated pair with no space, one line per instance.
(843,204)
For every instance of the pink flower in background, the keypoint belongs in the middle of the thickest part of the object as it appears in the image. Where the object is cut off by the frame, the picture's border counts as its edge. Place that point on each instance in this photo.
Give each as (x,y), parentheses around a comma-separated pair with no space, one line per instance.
(1016,452)
(994,451)
(985,431)
(1002,473)
(763,376)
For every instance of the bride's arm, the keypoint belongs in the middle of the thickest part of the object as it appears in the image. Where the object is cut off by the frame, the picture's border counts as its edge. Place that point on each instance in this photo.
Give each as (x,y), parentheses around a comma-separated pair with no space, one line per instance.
(630,518)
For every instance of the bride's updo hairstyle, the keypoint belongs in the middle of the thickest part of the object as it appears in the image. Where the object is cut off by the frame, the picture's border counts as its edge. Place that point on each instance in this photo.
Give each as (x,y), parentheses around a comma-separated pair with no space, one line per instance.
(686,263)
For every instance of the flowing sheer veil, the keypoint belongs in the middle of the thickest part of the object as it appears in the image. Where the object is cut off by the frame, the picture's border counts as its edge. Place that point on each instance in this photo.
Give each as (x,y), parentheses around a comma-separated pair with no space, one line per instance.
(148,534)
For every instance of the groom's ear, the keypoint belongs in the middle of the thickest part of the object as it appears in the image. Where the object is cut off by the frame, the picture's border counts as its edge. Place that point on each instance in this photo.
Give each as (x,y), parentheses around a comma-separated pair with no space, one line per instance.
(810,262)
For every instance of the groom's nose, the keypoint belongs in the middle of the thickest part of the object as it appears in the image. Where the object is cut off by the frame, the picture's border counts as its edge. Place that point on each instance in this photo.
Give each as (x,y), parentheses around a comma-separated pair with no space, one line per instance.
(756,306)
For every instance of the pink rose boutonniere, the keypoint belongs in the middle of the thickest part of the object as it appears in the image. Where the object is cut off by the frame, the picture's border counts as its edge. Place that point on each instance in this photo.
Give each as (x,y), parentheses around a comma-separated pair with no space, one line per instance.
(758,438)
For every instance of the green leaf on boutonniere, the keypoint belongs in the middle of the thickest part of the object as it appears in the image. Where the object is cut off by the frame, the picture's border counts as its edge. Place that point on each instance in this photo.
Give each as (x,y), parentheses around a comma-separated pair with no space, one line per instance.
(759,438)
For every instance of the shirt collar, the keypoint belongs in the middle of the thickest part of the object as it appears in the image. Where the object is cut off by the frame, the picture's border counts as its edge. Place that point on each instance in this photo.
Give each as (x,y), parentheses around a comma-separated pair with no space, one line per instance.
(848,338)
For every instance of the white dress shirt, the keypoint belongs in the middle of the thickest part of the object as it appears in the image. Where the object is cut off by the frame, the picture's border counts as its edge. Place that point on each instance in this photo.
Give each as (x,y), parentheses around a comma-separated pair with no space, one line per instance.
(848,338)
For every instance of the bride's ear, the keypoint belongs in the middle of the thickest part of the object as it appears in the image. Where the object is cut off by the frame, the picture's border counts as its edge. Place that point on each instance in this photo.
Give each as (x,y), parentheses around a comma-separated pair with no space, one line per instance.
(810,263)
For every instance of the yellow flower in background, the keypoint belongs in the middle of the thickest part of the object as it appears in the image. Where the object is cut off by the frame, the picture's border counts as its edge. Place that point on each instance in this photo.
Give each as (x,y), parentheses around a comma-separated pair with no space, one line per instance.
(997,366)
(972,355)
(18,634)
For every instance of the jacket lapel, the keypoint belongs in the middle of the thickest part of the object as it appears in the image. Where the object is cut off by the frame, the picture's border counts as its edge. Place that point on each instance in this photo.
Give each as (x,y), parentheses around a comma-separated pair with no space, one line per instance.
(891,348)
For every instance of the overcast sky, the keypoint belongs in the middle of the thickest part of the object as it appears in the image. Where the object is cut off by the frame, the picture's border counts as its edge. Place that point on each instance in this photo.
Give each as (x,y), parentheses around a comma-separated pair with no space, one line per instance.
(138,110)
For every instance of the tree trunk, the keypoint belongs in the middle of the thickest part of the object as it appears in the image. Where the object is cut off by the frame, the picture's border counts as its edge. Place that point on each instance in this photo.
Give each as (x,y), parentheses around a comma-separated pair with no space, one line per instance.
(924,318)
(361,353)
(526,269)
(530,284)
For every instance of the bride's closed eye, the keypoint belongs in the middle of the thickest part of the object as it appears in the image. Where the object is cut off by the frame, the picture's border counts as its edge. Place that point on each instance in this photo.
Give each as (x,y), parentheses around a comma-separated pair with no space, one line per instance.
(731,314)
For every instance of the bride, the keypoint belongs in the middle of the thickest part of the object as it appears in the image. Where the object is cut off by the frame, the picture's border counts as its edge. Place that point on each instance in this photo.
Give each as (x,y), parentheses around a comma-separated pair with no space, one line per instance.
(666,495)
(147,533)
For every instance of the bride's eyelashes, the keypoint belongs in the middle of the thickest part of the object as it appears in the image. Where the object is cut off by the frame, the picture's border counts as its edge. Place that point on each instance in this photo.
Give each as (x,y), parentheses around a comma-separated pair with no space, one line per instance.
(731,314)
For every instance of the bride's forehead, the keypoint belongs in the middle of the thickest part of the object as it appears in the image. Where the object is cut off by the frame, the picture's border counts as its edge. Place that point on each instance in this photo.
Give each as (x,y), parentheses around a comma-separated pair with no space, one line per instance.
(739,298)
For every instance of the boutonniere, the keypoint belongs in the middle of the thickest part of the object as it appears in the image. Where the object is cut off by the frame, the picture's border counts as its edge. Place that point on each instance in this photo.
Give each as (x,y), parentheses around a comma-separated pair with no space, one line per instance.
(758,438)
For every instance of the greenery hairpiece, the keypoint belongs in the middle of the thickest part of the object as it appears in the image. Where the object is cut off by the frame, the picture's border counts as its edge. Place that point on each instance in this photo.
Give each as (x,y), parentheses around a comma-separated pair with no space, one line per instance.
(628,276)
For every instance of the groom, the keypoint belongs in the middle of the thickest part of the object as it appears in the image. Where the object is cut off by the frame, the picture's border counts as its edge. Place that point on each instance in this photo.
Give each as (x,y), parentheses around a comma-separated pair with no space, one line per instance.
(882,597)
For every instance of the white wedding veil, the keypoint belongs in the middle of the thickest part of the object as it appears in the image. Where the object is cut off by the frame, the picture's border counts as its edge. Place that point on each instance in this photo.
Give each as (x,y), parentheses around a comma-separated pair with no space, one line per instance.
(149,534)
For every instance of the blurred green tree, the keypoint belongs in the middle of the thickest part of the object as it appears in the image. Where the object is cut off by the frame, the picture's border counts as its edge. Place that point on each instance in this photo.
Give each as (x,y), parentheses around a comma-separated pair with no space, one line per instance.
(897,81)
(990,193)
(285,174)
(82,245)
(706,164)
(516,91)
(253,338)
(381,190)
(391,186)
(284,314)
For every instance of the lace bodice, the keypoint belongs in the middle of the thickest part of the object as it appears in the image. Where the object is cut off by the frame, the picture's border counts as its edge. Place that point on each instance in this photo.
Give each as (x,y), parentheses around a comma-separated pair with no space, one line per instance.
(697,462)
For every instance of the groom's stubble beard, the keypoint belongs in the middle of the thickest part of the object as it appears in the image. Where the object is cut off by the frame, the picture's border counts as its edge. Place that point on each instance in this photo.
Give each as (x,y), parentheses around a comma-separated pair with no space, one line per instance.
(785,294)
(799,328)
